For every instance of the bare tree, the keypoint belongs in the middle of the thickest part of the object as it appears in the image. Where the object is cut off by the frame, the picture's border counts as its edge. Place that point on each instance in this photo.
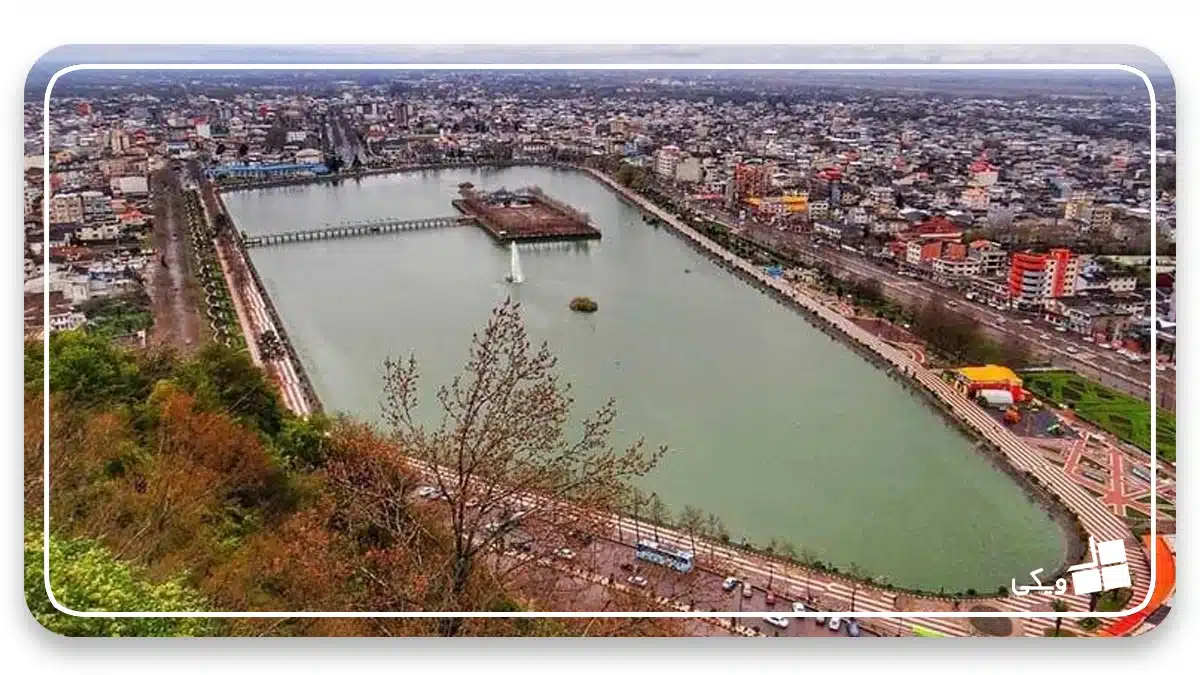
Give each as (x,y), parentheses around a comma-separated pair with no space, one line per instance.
(691,519)
(501,447)
(658,512)
(857,574)
(809,559)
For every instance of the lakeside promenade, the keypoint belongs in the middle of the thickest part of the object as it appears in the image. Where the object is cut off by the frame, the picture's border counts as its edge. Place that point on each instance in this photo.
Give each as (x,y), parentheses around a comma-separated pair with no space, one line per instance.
(1095,519)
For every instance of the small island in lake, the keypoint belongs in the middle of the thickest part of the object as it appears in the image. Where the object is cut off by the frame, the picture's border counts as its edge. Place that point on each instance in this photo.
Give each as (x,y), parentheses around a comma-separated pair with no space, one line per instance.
(584,304)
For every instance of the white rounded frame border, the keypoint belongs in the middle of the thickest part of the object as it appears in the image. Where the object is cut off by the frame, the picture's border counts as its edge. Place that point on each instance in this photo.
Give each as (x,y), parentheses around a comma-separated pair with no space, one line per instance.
(598,66)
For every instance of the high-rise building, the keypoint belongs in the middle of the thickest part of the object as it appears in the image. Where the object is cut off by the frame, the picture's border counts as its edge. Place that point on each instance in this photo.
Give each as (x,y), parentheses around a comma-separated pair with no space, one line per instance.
(752,180)
(665,161)
(1035,278)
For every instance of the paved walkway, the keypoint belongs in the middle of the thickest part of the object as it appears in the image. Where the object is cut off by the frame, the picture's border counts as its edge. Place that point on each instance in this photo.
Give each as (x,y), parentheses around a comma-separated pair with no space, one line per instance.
(254,320)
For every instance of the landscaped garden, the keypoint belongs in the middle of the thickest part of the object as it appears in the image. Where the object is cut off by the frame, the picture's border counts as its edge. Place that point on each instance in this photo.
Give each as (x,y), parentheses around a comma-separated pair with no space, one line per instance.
(1119,414)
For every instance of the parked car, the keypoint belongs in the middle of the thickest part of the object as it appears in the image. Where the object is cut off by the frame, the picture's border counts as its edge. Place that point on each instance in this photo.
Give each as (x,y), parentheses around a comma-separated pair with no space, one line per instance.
(747,589)
(777,621)
(1027,322)
(627,567)
(798,607)
(770,598)
(1061,329)
(729,584)
(1072,350)
(1088,338)
(852,628)
(1044,336)
(428,492)
(637,580)
(565,553)
(819,619)
(835,624)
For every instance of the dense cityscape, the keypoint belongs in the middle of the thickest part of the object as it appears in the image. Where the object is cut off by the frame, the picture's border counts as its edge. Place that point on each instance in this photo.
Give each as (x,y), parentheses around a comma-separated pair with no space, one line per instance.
(989,243)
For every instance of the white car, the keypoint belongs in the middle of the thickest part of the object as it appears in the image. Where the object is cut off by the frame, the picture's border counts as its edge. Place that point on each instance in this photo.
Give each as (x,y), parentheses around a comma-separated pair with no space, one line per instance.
(637,580)
(1088,338)
(730,583)
(1072,350)
(834,624)
(428,492)
(1045,336)
(778,621)
(1061,329)
(1105,345)
(1027,322)
(798,607)
(565,553)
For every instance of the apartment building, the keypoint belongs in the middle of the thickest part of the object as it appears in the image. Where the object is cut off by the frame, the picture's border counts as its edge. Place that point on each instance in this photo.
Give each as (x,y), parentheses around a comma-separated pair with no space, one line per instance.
(1035,278)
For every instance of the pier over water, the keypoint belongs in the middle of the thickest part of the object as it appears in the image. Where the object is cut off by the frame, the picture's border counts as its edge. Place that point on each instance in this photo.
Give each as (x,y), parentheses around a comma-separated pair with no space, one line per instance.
(352,229)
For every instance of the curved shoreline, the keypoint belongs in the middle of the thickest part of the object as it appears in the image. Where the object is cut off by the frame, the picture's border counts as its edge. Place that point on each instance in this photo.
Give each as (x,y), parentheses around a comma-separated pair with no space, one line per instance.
(998,448)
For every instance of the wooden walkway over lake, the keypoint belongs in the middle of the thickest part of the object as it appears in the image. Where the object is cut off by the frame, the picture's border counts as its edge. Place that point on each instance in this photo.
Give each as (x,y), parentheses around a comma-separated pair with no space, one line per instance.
(353,229)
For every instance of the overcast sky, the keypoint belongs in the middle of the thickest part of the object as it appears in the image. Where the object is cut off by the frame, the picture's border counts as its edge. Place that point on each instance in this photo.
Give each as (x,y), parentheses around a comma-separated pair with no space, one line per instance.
(1127,55)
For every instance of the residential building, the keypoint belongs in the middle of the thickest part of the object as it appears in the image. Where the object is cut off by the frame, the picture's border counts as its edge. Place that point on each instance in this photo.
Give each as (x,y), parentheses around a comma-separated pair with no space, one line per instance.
(666,159)
(689,170)
(66,208)
(922,252)
(989,255)
(1035,278)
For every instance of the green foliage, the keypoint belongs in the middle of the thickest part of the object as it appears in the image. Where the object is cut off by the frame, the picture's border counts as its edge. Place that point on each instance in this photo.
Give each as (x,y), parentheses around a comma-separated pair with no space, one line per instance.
(222,377)
(1114,600)
(635,178)
(303,442)
(84,576)
(1119,414)
(34,365)
(88,369)
(118,315)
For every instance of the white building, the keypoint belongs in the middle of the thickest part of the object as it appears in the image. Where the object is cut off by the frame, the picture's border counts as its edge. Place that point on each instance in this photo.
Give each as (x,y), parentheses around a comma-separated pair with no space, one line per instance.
(666,159)
(962,267)
(131,185)
(66,207)
(308,156)
(689,170)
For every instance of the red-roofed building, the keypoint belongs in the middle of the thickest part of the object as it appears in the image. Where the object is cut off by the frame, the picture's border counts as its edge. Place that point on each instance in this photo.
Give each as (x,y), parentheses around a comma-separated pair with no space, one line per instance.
(936,228)
(983,173)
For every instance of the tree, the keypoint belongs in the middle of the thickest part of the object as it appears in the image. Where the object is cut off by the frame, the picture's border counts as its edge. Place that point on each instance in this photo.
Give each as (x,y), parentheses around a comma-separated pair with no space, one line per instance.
(658,512)
(857,574)
(788,550)
(502,441)
(86,577)
(809,559)
(716,530)
(87,369)
(691,519)
(1058,606)
(223,377)
(304,441)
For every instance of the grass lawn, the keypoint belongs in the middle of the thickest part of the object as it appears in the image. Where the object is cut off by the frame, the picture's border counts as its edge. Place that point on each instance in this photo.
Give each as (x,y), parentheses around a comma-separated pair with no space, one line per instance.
(1121,415)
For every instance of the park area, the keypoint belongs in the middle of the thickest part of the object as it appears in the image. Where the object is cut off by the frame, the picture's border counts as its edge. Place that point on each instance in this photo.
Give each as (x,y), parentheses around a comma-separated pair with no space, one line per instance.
(1121,415)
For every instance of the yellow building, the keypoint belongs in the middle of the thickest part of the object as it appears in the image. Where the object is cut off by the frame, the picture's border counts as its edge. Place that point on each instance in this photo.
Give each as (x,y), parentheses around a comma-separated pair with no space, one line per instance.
(789,203)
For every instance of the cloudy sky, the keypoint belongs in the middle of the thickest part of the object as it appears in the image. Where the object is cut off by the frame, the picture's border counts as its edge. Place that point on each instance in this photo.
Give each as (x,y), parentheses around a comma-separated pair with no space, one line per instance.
(1127,55)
